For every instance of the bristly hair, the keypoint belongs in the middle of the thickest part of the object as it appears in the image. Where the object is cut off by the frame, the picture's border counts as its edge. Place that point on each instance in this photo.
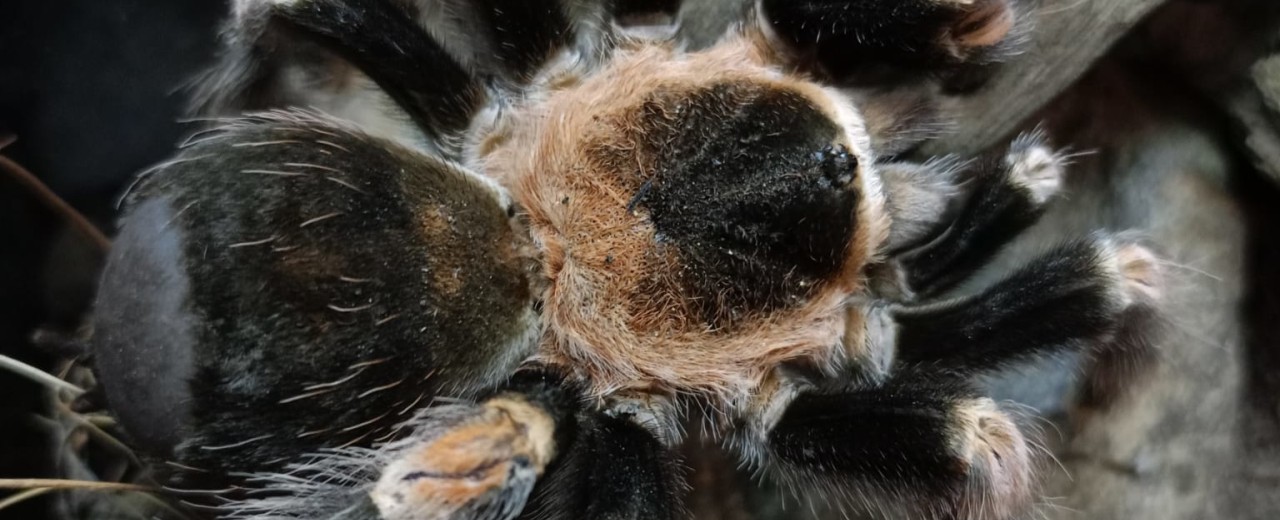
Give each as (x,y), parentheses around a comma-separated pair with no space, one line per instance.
(335,483)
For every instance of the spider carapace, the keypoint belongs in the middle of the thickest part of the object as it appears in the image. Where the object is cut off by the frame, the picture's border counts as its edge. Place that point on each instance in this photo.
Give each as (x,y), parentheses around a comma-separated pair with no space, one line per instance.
(512,281)
(697,230)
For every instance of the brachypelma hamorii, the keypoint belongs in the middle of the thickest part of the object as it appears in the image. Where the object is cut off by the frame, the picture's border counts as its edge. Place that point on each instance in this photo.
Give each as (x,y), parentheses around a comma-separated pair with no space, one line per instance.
(509,283)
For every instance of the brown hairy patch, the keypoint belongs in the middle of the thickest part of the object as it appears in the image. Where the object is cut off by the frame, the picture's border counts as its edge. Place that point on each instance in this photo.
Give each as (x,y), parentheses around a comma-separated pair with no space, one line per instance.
(997,460)
(473,459)
(443,273)
(855,341)
(614,308)
(985,26)
(465,255)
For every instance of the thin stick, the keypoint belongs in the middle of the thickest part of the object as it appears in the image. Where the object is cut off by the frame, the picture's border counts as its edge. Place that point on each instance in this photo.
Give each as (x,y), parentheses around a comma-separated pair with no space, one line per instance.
(99,420)
(57,483)
(99,433)
(146,493)
(38,375)
(51,199)
(23,496)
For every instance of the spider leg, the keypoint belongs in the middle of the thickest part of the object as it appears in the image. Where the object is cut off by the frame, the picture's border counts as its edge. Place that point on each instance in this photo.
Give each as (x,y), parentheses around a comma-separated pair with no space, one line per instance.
(919,197)
(384,40)
(891,40)
(524,34)
(478,461)
(530,449)
(611,469)
(931,446)
(1007,195)
(385,63)
(1076,296)
(293,284)
(587,463)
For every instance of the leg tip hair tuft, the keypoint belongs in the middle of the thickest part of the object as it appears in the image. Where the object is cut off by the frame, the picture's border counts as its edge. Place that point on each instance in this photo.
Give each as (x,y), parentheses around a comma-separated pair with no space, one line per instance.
(984,23)
(1036,166)
(1141,270)
(489,460)
(1136,268)
(998,459)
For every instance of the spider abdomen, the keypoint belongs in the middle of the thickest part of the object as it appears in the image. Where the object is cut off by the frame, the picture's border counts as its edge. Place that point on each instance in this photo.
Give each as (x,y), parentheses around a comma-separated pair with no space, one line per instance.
(288,265)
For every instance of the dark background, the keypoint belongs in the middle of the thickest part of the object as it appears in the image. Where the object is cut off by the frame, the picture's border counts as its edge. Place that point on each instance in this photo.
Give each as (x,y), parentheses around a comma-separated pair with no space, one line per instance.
(94,92)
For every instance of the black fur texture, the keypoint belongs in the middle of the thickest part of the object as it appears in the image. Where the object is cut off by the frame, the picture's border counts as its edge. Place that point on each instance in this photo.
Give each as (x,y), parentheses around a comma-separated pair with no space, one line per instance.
(610,468)
(752,187)
(1066,298)
(898,437)
(524,32)
(321,286)
(382,38)
(999,208)
(876,41)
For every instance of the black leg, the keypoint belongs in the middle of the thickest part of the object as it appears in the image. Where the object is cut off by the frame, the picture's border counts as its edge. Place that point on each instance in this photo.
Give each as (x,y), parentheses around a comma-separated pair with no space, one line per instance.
(1071,298)
(613,470)
(601,467)
(484,462)
(457,461)
(384,40)
(888,40)
(919,199)
(917,446)
(524,33)
(529,450)
(1008,196)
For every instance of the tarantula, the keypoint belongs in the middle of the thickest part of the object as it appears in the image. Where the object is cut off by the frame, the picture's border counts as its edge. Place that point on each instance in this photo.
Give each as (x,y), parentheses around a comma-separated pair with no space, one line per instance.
(580,243)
